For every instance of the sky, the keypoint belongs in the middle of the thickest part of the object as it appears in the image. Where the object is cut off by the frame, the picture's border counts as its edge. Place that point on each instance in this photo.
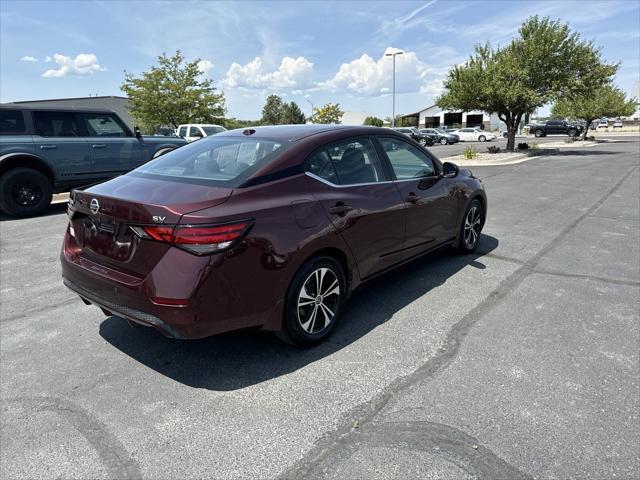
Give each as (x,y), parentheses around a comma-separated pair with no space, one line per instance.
(305,51)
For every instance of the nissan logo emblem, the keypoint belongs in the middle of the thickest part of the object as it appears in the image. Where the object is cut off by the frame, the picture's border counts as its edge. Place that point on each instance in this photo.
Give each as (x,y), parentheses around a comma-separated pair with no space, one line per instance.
(94,206)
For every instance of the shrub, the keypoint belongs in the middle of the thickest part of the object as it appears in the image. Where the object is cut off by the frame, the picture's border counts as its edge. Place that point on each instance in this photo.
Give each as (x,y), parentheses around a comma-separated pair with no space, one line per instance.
(591,138)
(470,153)
(569,140)
(493,149)
(523,146)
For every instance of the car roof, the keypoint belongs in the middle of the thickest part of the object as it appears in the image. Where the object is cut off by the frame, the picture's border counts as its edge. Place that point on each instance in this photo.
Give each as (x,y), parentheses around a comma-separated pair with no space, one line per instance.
(294,133)
(13,106)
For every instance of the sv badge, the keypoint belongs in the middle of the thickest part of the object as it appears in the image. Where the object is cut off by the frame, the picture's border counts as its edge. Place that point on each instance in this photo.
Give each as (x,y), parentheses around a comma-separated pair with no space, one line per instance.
(159,219)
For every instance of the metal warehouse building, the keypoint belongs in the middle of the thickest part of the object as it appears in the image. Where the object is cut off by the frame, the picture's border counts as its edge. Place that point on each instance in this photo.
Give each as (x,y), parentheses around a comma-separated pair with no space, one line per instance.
(434,116)
(120,105)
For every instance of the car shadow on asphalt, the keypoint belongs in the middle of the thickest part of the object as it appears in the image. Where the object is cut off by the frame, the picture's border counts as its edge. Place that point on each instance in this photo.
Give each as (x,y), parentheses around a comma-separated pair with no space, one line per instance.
(53,209)
(240,359)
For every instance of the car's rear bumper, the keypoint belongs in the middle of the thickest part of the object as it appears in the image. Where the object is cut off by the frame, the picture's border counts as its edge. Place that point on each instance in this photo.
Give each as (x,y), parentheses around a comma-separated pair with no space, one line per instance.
(205,287)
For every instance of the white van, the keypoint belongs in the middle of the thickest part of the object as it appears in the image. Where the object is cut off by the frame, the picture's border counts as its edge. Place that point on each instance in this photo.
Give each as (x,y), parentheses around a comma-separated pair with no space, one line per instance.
(195,131)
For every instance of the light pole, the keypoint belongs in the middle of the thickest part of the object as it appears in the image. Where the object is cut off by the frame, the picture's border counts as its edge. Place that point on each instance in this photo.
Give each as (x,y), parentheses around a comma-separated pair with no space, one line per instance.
(311,103)
(393,94)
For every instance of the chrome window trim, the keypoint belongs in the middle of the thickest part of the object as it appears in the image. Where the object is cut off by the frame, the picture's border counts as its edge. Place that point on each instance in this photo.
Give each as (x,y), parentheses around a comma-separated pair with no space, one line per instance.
(327,182)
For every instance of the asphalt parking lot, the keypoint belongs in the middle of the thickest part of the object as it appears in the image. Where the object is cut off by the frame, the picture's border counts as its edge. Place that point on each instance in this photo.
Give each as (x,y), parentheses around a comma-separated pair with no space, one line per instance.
(518,361)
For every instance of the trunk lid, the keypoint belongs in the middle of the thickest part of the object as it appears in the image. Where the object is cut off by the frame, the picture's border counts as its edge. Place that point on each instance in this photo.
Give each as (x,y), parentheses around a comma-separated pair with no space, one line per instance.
(103,214)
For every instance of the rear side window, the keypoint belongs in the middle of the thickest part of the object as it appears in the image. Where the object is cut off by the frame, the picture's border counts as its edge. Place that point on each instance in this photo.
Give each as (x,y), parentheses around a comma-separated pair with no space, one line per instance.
(350,162)
(213,130)
(103,125)
(12,121)
(224,161)
(56,124)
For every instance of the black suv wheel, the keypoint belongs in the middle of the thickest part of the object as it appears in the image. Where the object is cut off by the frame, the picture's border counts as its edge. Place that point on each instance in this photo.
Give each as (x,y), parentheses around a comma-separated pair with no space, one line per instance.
(24,192)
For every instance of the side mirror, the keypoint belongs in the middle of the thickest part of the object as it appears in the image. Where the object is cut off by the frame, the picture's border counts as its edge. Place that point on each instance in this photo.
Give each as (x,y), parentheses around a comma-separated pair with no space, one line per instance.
(136,131)
(450,169)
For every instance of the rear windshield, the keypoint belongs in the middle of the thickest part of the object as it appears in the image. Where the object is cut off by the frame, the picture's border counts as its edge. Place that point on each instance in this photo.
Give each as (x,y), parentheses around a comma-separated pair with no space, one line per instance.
(218,160)
(212,130)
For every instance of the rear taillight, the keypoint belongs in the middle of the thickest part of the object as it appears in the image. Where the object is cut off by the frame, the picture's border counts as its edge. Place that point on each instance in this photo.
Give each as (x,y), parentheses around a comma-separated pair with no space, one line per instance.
(197,239)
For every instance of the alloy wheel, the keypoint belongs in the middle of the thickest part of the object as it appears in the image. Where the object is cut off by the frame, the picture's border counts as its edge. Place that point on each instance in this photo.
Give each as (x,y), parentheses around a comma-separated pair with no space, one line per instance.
(443,141)
(26,194)
(472,226)
(318,300)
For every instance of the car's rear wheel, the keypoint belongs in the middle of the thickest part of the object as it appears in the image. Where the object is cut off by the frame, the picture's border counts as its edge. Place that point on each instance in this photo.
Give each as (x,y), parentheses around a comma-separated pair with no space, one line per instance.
(471,227)
(443,141)
(314,301)
(482,138)
(24,192)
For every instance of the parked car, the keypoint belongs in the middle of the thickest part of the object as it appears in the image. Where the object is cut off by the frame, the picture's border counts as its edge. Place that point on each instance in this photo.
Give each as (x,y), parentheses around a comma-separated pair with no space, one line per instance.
(603,123)
(617,123)
(195,131)
(556,127)
(165,132)
(49,150)
(440,136)
(269,227)
(412,132)
(474,134)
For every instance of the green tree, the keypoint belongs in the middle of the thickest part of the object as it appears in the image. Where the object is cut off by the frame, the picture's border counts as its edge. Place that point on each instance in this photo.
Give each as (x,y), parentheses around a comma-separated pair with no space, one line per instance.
(171,93)
(231,123)
(291,114)
(606,101)
(375,121)
(328,113)
(272,110)
(545,62)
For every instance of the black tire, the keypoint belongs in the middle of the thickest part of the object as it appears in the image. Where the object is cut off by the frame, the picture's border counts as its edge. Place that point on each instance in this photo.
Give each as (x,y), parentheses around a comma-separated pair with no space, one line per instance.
(482,138)
(476,212)
(538,133)
(24,192)
(299,322)
(572,133)
(443,141)
(422,141)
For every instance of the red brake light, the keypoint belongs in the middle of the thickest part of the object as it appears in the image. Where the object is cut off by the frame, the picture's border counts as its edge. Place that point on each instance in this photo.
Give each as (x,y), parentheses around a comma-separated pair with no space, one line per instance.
(197,239)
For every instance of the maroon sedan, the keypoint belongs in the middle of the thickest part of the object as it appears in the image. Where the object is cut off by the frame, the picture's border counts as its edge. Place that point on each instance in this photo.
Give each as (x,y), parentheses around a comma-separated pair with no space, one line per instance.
(271,227)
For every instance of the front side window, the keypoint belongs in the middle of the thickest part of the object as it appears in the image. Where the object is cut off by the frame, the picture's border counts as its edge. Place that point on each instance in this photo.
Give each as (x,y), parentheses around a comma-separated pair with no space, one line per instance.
(11,121)
(195,132)
(406,160)
(224,161)
(103,125)
(182,132)
(56,124)
(350,162)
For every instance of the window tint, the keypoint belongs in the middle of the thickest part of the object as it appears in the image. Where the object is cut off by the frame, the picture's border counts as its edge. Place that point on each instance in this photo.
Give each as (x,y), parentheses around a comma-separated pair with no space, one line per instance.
(467,130)
(406,160)
(11,121)
(103,125)
(350,162)
(194,131)
(224,161)
(212,130)
(182,132)
(56,124)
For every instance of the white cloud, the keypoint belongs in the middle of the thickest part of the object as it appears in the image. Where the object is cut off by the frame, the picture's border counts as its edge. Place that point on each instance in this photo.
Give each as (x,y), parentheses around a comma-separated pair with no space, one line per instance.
(365,76)
(204,66)
(84,64)
(28,58)
(48,58)
(292,73)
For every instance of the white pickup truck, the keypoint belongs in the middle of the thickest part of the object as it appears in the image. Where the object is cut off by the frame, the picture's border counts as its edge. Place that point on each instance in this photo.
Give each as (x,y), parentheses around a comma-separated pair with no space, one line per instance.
(196,131)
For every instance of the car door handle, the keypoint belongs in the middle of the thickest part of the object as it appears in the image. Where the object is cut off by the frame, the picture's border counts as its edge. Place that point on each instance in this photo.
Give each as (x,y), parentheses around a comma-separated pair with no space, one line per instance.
(99,145)
(48,147)
(412,198)
(340,209)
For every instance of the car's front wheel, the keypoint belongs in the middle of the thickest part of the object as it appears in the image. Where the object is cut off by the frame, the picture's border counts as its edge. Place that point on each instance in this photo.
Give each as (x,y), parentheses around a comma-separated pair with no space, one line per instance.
(423,142)
(539,133)
(24,192)
(471,227)
(572,133)
(314,301)
(482,138)
(443,141)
